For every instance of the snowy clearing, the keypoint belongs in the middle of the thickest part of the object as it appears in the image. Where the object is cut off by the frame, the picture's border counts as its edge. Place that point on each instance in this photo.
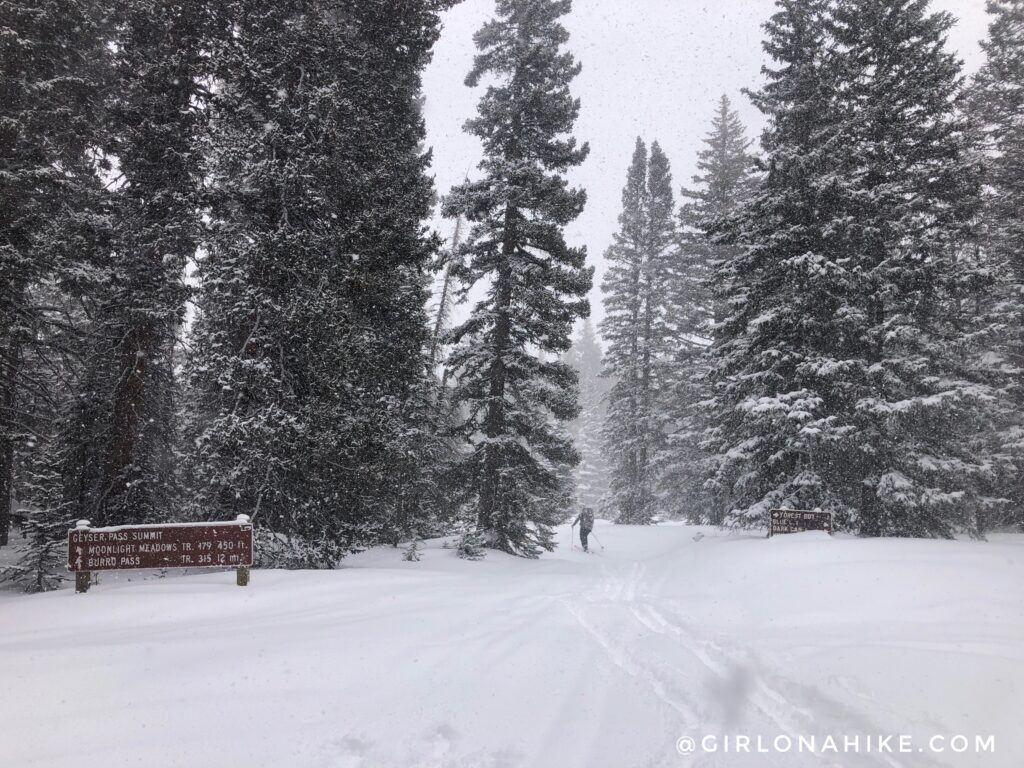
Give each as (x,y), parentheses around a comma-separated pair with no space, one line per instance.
(575,660)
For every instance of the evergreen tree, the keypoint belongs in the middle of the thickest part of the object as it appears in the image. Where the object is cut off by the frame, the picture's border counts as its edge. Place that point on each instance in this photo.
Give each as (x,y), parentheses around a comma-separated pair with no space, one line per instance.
(537,284)
(724,182)
(155,117)
(312,331)
(754,470)
(641,332)
(53,68)
(591,475)
(47,408)
(621,330)
(844,378)
(998,104)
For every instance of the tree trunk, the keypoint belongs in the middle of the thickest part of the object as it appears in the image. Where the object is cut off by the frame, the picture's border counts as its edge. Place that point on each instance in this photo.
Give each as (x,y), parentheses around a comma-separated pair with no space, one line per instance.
(128,407)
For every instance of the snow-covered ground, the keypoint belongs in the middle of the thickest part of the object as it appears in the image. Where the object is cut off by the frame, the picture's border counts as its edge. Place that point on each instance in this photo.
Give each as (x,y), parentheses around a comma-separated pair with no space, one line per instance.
(596,661)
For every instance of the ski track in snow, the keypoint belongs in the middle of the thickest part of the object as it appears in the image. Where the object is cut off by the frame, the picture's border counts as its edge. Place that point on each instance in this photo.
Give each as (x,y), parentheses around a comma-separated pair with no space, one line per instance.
(800,710)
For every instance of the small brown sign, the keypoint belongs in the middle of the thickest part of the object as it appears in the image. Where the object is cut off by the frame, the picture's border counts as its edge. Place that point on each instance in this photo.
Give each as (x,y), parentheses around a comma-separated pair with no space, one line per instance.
(798,520)
(183,545)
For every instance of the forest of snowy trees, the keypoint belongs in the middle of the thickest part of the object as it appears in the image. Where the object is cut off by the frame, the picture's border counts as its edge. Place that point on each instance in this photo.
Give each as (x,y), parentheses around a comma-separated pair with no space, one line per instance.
(219,293)
(833,320)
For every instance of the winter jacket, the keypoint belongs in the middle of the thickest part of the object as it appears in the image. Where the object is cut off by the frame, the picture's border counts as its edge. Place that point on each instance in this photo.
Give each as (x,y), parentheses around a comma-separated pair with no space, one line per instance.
(585,519)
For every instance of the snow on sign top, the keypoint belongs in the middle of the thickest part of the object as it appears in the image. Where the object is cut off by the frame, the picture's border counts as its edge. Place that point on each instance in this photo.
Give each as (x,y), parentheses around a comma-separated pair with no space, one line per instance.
(799,520)
(181,545)
(84,524)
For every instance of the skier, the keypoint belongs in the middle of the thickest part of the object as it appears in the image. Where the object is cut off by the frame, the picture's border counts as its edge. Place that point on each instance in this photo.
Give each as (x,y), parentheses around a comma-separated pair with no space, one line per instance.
(586,521)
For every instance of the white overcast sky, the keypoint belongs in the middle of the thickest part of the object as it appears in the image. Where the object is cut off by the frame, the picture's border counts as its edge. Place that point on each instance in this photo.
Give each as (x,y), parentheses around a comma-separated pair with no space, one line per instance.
(651,68)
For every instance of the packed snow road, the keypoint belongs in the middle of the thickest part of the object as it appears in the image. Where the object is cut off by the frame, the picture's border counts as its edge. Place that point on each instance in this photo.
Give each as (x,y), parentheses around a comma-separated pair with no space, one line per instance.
(608,660)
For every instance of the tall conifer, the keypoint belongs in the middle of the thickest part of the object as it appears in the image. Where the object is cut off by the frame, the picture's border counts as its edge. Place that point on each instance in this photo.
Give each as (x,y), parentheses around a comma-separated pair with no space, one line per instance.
(641,331)
(154,120)
(844,375)
(591,475)
(54,71)
(536,284)
(724,181)
(998,104)
(312,334)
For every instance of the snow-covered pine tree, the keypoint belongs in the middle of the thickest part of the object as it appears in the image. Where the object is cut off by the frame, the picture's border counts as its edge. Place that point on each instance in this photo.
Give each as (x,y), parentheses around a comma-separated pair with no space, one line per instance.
(537,284)
(724,181)
(629,486)
(55,65)
(844,372)
(997,101)
(563,496)
(50,369)
(911,199)
(412,552)
(591,474)
(418,465)
(155,117)
(422,457)
(312,331)
(759,450)
(641,333)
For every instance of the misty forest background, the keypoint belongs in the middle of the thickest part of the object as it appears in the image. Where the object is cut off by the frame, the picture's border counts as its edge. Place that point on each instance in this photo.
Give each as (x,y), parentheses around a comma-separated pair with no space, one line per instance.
(219,293)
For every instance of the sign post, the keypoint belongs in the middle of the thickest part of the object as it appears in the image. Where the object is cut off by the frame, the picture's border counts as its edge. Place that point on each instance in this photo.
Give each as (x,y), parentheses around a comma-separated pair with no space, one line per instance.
(82,578)
(181,545)
(799,520)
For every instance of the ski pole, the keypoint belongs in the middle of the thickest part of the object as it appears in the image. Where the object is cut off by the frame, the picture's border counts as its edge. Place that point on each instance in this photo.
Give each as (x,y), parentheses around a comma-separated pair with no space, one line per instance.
(597,540)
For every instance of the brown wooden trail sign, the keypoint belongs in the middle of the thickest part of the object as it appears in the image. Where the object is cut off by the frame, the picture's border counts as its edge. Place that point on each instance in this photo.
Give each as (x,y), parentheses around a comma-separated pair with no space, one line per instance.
(799,520)
(178,545)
